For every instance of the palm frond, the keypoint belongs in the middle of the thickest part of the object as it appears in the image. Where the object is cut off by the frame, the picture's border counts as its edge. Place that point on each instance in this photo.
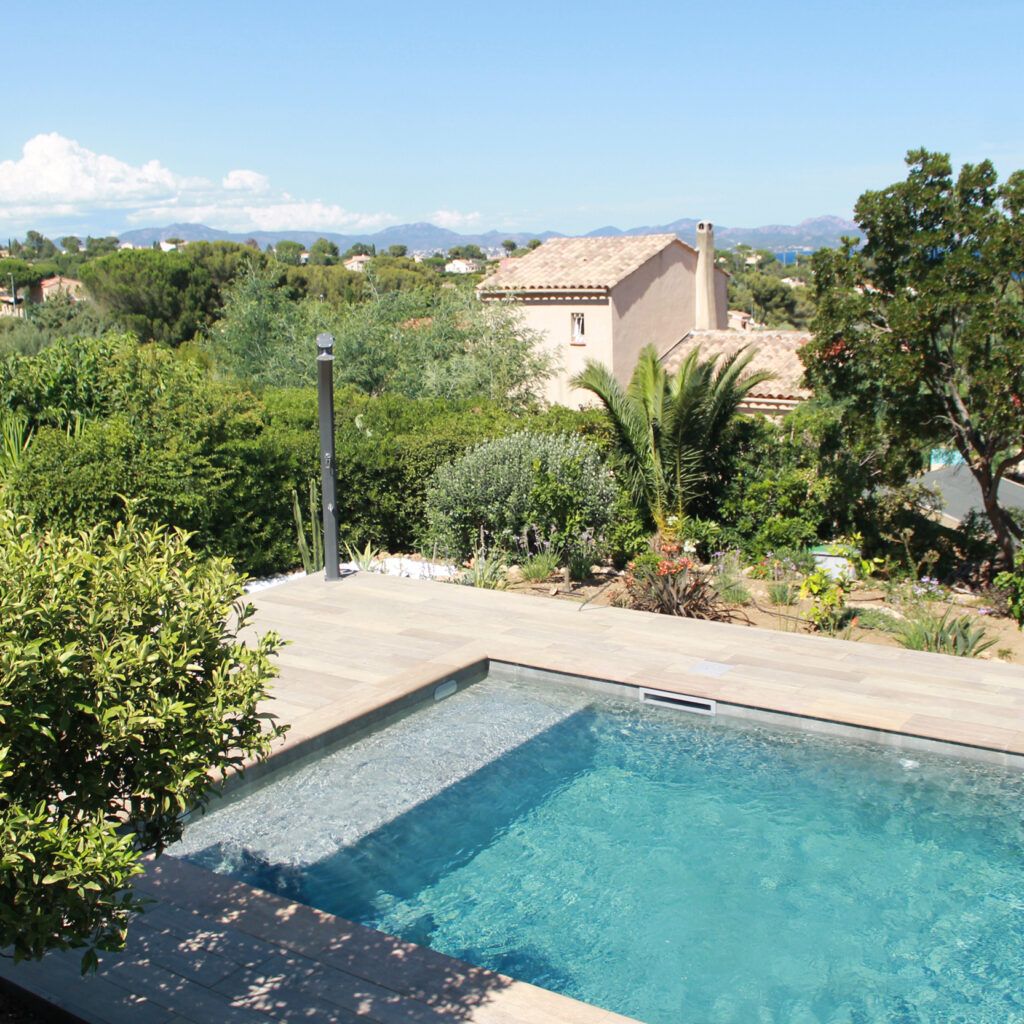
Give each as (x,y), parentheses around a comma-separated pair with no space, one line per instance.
(631,429)
(730,386)
(669,427)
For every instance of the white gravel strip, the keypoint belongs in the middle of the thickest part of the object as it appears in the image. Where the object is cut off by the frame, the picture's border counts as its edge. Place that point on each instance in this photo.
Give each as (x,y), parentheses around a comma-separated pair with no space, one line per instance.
(411,568)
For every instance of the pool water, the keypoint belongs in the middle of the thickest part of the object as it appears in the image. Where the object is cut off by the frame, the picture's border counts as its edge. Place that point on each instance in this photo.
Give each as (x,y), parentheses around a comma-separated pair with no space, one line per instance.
(669,867)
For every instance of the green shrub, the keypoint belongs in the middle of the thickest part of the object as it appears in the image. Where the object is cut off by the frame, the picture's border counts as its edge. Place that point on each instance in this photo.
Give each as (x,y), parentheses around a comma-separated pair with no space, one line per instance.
(703,534)
(116,418)
(1012,585)
(111,417)
(875,618)
(211,468)
(828,600)
(550,487)
(626,534)
(778,492)
(123,689)
(73,378)
(728,578)
(784,593)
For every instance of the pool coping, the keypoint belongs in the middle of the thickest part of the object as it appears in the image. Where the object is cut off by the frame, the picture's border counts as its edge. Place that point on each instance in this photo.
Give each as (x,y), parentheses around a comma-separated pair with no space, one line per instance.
(355,696)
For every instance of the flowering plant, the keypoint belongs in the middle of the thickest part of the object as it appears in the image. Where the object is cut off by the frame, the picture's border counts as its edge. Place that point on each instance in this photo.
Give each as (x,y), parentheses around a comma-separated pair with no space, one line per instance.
(672,586)
(928,588)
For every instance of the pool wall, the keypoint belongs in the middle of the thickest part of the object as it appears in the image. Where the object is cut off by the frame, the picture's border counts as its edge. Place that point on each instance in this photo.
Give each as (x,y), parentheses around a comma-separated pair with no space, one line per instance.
(842,730)
(429,685)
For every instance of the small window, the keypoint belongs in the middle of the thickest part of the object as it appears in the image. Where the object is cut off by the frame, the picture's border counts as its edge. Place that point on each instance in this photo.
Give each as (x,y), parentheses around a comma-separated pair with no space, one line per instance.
(578,329)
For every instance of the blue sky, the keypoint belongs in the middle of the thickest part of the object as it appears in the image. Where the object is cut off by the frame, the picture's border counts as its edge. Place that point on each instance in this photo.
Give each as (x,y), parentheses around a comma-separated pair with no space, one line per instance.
(530,116)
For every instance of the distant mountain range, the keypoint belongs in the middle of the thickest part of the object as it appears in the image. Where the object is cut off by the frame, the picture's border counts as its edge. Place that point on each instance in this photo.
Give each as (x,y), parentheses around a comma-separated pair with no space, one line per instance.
(422,237)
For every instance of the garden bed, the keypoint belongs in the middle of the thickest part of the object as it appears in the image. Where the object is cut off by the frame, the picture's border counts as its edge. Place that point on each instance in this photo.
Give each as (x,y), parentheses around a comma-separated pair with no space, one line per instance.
(868,604)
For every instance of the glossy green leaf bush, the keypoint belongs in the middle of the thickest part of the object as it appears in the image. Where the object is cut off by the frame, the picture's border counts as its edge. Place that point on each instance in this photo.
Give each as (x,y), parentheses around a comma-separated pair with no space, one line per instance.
(1012,585)
(125,694)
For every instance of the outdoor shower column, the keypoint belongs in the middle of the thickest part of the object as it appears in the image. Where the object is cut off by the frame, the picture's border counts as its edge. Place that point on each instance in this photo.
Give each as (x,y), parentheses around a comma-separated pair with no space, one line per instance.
(328,494)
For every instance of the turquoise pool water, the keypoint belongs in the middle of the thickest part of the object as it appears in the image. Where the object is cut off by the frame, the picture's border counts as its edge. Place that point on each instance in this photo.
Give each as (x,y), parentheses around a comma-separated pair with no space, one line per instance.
(669,867)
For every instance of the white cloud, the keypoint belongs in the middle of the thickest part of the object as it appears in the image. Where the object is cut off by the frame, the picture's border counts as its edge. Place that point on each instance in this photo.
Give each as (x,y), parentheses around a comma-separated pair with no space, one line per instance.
(245,181)
(453,219)
(57,177)
(316,217)
(55,170)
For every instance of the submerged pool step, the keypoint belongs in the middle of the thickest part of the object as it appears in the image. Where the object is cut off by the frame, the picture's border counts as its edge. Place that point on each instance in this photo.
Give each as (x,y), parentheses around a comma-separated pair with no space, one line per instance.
(679,701)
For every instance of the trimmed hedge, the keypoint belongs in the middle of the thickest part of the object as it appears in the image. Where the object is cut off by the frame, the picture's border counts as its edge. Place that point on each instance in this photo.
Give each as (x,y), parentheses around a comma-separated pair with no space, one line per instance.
(114,420)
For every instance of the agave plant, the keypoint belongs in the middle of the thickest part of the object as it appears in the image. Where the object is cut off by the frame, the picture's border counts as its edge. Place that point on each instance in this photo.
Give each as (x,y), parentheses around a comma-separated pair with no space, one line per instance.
(311,552)
(669,426)
(15,438)
(486,570)
(944,635)
(538,567)
(365,560)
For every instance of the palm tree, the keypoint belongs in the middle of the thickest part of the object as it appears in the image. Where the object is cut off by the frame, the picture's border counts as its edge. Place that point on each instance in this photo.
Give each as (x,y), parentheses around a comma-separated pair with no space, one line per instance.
(669,427)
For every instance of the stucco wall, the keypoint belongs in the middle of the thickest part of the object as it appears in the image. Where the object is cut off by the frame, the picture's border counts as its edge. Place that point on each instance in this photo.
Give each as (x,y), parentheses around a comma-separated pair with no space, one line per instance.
(653,306)
(553,319)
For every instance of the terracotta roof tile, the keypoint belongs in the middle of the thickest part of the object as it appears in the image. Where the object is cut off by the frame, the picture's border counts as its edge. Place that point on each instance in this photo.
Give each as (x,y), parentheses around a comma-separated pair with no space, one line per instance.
(774,351)
(573,264)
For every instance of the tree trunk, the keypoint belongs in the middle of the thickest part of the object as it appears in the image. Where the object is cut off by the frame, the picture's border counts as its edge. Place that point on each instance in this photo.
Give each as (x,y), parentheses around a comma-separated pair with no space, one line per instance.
(1005,529)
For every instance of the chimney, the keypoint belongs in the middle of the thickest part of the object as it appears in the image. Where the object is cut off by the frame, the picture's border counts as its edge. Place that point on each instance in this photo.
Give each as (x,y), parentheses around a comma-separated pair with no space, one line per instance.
(706,312)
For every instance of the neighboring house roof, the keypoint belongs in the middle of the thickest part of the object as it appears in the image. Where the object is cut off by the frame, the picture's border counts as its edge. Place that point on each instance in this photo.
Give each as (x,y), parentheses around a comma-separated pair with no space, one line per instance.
(60,282)
(576,264)
(51,286)
(959,493)
(777,352)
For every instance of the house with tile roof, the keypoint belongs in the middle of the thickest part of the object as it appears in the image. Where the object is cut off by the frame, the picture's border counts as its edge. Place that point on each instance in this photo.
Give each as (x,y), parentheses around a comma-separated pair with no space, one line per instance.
(49,287)
(605,298)
(358,263)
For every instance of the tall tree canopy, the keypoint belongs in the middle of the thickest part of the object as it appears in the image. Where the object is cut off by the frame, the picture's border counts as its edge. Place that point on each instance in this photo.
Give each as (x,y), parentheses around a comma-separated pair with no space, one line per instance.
(21,272)
(161,296)
(920,334)
(288,252)
(323,253)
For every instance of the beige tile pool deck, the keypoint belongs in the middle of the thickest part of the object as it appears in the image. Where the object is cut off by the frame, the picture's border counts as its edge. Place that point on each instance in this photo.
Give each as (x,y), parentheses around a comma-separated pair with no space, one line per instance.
(210,949)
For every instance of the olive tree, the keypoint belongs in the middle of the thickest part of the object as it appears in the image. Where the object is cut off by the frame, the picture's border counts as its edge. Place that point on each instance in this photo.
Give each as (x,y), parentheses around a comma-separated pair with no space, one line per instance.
(125,694)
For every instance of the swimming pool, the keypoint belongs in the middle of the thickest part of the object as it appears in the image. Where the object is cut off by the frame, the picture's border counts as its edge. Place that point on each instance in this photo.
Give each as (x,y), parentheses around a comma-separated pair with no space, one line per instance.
(663,865)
